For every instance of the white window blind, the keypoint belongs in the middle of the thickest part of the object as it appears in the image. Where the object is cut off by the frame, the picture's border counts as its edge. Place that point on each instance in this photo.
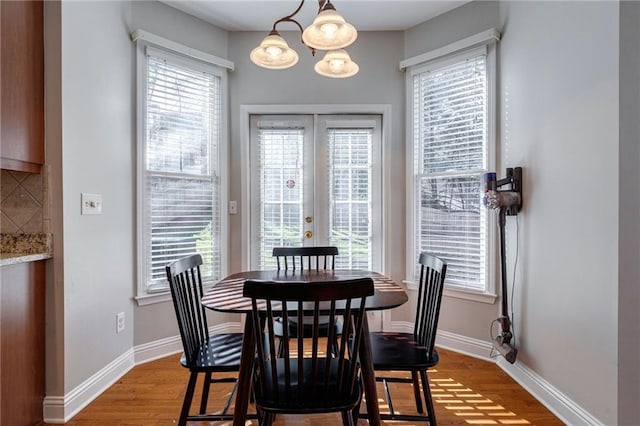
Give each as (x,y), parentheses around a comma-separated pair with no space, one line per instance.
(281,154)
(181,181)
(450,152)
(350,196)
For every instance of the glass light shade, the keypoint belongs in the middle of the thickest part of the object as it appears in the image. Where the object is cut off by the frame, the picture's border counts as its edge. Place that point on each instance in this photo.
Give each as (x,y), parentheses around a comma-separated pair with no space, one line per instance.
(337,64)
(274,53)
(329,31)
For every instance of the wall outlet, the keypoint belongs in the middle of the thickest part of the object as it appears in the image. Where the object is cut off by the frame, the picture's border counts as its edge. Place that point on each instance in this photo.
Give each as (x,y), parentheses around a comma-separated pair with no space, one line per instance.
(119,322)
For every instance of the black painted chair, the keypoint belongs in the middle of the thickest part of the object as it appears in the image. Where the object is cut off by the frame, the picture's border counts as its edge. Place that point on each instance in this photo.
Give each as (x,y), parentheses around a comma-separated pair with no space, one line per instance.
(203,353)
(305,259)
(414,352)
(307,378)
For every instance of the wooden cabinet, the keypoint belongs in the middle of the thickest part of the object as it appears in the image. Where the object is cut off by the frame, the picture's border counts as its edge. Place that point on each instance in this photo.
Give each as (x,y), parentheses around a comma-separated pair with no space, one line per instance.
(22,342)
(22,91)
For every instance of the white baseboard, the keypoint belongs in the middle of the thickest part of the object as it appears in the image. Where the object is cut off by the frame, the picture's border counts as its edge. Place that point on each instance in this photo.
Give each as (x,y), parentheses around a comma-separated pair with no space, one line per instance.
(60,409)
(464,345)
(558,403)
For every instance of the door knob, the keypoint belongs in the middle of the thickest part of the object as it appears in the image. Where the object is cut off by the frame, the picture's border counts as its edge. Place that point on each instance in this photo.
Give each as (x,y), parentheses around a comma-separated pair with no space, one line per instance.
(308,234)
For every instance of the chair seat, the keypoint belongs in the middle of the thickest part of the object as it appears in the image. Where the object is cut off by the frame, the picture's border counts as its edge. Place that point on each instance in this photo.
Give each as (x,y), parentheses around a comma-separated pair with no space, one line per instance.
(305,399)
(400,352)
(221,352)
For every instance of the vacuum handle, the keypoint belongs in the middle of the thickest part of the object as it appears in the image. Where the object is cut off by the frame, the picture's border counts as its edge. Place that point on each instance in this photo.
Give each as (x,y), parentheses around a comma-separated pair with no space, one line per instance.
(490,182)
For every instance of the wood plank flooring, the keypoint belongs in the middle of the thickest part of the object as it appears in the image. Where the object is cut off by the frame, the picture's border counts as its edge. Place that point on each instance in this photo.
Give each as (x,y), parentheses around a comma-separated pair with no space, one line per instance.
(466,391)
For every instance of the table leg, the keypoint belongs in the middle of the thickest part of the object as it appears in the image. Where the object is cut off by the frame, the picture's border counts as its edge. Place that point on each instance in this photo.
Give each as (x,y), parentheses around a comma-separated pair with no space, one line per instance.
(244,375)
(369,376)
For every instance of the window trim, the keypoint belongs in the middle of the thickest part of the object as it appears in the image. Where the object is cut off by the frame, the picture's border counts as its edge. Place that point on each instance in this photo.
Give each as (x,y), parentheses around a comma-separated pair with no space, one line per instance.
(216,66)
(453,53)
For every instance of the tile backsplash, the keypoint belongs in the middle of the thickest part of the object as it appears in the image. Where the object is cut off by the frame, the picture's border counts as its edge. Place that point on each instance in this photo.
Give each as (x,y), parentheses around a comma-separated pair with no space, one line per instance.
(23,203)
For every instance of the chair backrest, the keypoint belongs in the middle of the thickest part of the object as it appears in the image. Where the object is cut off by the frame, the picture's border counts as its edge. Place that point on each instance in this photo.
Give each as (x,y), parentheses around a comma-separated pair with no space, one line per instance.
(303,377)
(294,258)
(431,284)
(186,291)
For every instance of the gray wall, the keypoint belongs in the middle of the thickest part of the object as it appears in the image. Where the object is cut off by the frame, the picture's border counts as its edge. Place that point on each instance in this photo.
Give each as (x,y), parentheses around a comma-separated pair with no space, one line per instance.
(559,121)
(629,206)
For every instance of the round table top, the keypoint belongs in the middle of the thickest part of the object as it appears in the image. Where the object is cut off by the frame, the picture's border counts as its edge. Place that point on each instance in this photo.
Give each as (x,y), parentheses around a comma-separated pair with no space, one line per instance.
(226,294)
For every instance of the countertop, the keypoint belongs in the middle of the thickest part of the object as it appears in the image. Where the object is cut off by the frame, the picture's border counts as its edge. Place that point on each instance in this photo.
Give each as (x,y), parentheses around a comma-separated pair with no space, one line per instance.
(20,248)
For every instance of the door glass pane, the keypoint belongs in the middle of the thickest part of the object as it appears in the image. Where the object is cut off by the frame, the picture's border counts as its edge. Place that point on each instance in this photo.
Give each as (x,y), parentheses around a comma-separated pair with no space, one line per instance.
(281,183)
(350,176)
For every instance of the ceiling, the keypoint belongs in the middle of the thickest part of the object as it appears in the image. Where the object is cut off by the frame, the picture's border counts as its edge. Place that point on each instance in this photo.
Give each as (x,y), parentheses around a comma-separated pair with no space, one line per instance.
(365,15)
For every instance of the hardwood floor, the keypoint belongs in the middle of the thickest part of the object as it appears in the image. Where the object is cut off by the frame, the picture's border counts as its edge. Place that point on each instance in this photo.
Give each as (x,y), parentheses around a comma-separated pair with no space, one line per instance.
(466,391)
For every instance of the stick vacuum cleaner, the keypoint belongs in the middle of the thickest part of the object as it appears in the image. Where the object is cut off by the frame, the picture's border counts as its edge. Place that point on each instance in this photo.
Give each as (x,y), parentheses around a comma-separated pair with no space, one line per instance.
(508,202)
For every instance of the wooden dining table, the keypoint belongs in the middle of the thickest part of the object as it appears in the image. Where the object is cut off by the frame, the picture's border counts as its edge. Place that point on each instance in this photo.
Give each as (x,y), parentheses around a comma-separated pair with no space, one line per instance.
(226,296)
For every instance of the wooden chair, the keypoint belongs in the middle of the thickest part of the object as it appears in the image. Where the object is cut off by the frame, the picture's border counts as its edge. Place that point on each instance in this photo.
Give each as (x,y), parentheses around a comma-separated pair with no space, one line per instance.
(414,352)
(203,353)
(293,258)
(307,378)
(305,258)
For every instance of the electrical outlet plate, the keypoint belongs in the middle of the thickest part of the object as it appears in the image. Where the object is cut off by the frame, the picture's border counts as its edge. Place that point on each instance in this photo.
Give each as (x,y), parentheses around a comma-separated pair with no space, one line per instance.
(91,203)
(119,322)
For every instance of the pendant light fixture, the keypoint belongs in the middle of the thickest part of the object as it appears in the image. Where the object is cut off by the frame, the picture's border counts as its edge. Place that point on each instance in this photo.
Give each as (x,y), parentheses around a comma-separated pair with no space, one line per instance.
(337,64)
(329,31)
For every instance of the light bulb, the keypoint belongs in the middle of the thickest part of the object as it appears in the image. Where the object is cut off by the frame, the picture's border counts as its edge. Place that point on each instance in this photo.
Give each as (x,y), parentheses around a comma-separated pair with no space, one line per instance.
(336,65)
(273,51)
(329,30)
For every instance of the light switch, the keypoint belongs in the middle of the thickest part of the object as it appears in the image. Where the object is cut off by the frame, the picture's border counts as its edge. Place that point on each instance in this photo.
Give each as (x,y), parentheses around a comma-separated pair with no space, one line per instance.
(91,203)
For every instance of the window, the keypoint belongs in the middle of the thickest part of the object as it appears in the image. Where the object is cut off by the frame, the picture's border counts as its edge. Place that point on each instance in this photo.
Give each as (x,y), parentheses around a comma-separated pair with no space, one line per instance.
(451,145)
(180,174)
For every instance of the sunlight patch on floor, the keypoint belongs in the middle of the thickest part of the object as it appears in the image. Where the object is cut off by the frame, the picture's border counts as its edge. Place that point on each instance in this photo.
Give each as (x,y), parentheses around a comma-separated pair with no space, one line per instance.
(471,406)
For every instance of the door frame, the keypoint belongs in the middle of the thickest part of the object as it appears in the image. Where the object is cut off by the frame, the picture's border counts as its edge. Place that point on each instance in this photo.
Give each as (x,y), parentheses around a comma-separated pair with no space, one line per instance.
(247,110)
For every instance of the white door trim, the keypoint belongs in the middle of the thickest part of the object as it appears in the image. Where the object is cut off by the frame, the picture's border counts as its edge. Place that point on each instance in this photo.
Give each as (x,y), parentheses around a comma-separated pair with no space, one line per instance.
(247,110)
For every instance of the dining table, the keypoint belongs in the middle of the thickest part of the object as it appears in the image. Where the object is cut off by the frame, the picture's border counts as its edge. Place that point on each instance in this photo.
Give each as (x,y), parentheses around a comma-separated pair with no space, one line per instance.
(226,296)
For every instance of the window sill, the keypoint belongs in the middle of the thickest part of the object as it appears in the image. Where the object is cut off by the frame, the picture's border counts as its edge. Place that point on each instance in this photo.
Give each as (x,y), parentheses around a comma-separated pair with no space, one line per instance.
(151,298)
(162,296)
(475,296)
(489,298)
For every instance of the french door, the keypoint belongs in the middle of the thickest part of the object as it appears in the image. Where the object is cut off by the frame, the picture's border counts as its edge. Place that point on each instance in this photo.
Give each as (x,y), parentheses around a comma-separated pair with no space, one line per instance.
(316,180)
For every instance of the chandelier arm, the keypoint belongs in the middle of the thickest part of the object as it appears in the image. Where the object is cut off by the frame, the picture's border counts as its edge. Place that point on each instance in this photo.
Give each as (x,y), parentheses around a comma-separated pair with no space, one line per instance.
(289,18)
